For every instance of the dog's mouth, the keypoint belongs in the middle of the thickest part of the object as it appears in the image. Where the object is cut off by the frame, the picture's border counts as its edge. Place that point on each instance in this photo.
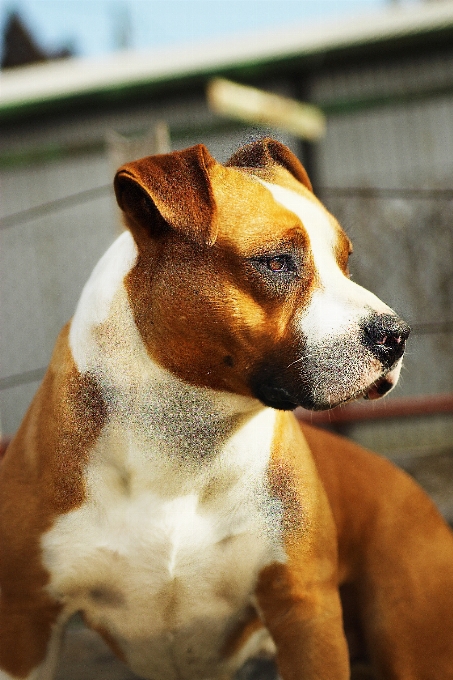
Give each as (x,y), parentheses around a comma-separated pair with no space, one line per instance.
(272,391)
(378,389)
(384,384)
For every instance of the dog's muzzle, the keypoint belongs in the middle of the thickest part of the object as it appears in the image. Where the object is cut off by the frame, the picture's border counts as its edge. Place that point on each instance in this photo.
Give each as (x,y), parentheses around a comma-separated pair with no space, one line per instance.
(334,372)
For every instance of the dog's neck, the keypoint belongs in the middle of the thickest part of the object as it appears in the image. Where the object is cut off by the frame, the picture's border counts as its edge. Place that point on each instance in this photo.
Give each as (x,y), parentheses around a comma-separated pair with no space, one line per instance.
(172,415)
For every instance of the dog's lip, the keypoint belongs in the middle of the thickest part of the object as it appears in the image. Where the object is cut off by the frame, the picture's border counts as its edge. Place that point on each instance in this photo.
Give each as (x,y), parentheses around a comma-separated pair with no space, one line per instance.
(376,390)
(384,383)
(380,387)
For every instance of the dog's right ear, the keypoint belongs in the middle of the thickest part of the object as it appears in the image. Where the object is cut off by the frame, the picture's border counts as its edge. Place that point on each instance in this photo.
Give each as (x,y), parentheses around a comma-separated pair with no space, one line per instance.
(170,190)
(266,152)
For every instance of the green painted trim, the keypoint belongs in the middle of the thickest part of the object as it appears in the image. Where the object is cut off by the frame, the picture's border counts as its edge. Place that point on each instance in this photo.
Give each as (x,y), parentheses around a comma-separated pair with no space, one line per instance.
(417,42)
(348,106)
(137,91)
(339,107)
(48,153)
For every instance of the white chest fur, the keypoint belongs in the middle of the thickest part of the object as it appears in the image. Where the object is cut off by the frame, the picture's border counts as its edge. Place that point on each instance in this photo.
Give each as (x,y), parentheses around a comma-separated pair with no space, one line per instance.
(165,551)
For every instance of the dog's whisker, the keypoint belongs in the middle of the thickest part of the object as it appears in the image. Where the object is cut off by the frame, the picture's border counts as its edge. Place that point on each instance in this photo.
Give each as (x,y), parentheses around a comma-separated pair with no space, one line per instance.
(297,361)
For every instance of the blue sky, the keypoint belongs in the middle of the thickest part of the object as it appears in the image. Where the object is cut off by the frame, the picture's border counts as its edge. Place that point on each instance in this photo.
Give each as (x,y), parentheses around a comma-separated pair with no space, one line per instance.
(95,27)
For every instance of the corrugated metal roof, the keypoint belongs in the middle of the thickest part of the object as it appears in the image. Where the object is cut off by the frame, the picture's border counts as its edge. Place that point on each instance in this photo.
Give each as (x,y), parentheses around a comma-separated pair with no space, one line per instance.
(77,78)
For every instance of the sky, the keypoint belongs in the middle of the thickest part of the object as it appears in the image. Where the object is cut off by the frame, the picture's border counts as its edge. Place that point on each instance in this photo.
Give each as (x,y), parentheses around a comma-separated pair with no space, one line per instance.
(97,27)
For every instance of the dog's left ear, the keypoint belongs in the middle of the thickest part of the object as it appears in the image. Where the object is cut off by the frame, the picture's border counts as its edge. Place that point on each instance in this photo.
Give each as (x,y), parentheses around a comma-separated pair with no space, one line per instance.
(173,189)
(266,152)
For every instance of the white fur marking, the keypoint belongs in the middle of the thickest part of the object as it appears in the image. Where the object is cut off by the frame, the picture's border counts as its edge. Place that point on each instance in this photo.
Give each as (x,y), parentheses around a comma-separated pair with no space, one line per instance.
(338,304)
(179,549)
(98,293)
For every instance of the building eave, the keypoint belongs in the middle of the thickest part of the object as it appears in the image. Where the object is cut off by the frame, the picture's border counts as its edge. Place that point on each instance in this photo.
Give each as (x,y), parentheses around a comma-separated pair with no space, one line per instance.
(131,74)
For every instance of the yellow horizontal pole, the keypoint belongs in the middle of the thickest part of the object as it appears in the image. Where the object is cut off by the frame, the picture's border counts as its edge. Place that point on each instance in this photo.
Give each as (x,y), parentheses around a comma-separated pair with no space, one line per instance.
(256,106)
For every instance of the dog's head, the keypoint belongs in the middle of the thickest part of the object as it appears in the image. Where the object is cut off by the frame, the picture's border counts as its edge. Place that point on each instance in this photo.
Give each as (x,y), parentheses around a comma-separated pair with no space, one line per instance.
(242,282)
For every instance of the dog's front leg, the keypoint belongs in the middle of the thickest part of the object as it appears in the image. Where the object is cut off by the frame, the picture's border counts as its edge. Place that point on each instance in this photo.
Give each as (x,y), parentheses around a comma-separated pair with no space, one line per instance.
(30,642)
(298,596)
(305,621)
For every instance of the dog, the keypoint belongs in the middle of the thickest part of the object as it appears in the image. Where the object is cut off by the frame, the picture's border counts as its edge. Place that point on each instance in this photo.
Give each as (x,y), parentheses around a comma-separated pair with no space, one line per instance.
(160,483)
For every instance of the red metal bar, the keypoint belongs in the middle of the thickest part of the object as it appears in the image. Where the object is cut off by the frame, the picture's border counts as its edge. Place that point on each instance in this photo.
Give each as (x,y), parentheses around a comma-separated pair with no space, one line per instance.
(403,407)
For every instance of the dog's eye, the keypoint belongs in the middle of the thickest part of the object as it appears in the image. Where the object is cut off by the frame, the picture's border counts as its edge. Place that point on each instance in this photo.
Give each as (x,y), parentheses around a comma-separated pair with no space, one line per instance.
(277,271)
(278,264)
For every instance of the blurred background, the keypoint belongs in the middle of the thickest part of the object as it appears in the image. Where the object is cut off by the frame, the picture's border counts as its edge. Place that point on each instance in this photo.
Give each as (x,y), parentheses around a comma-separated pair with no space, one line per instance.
(95,27)
(88,84)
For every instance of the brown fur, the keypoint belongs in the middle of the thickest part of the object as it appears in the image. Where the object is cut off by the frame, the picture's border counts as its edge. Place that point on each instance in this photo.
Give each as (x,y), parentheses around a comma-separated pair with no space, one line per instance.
(41,477)
(395,561)
(299,598)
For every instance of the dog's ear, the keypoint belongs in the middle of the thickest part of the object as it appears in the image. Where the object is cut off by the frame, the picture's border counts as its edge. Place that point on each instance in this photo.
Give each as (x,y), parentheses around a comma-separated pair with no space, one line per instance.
(266,152)
(172,190)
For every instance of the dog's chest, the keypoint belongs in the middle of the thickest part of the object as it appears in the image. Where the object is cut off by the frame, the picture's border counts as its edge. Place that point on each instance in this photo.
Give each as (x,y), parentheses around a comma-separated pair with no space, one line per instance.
(166,564)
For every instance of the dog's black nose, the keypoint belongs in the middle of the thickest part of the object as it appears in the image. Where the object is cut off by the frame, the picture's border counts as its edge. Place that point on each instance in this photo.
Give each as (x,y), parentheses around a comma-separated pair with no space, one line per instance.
(385,335)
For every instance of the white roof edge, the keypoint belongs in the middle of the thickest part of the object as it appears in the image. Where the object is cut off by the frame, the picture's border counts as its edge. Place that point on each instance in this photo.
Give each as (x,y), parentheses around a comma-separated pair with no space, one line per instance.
(78,76)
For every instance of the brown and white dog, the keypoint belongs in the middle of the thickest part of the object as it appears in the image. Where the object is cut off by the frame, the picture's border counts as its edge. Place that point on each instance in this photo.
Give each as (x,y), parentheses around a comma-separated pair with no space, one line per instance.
(159,483)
